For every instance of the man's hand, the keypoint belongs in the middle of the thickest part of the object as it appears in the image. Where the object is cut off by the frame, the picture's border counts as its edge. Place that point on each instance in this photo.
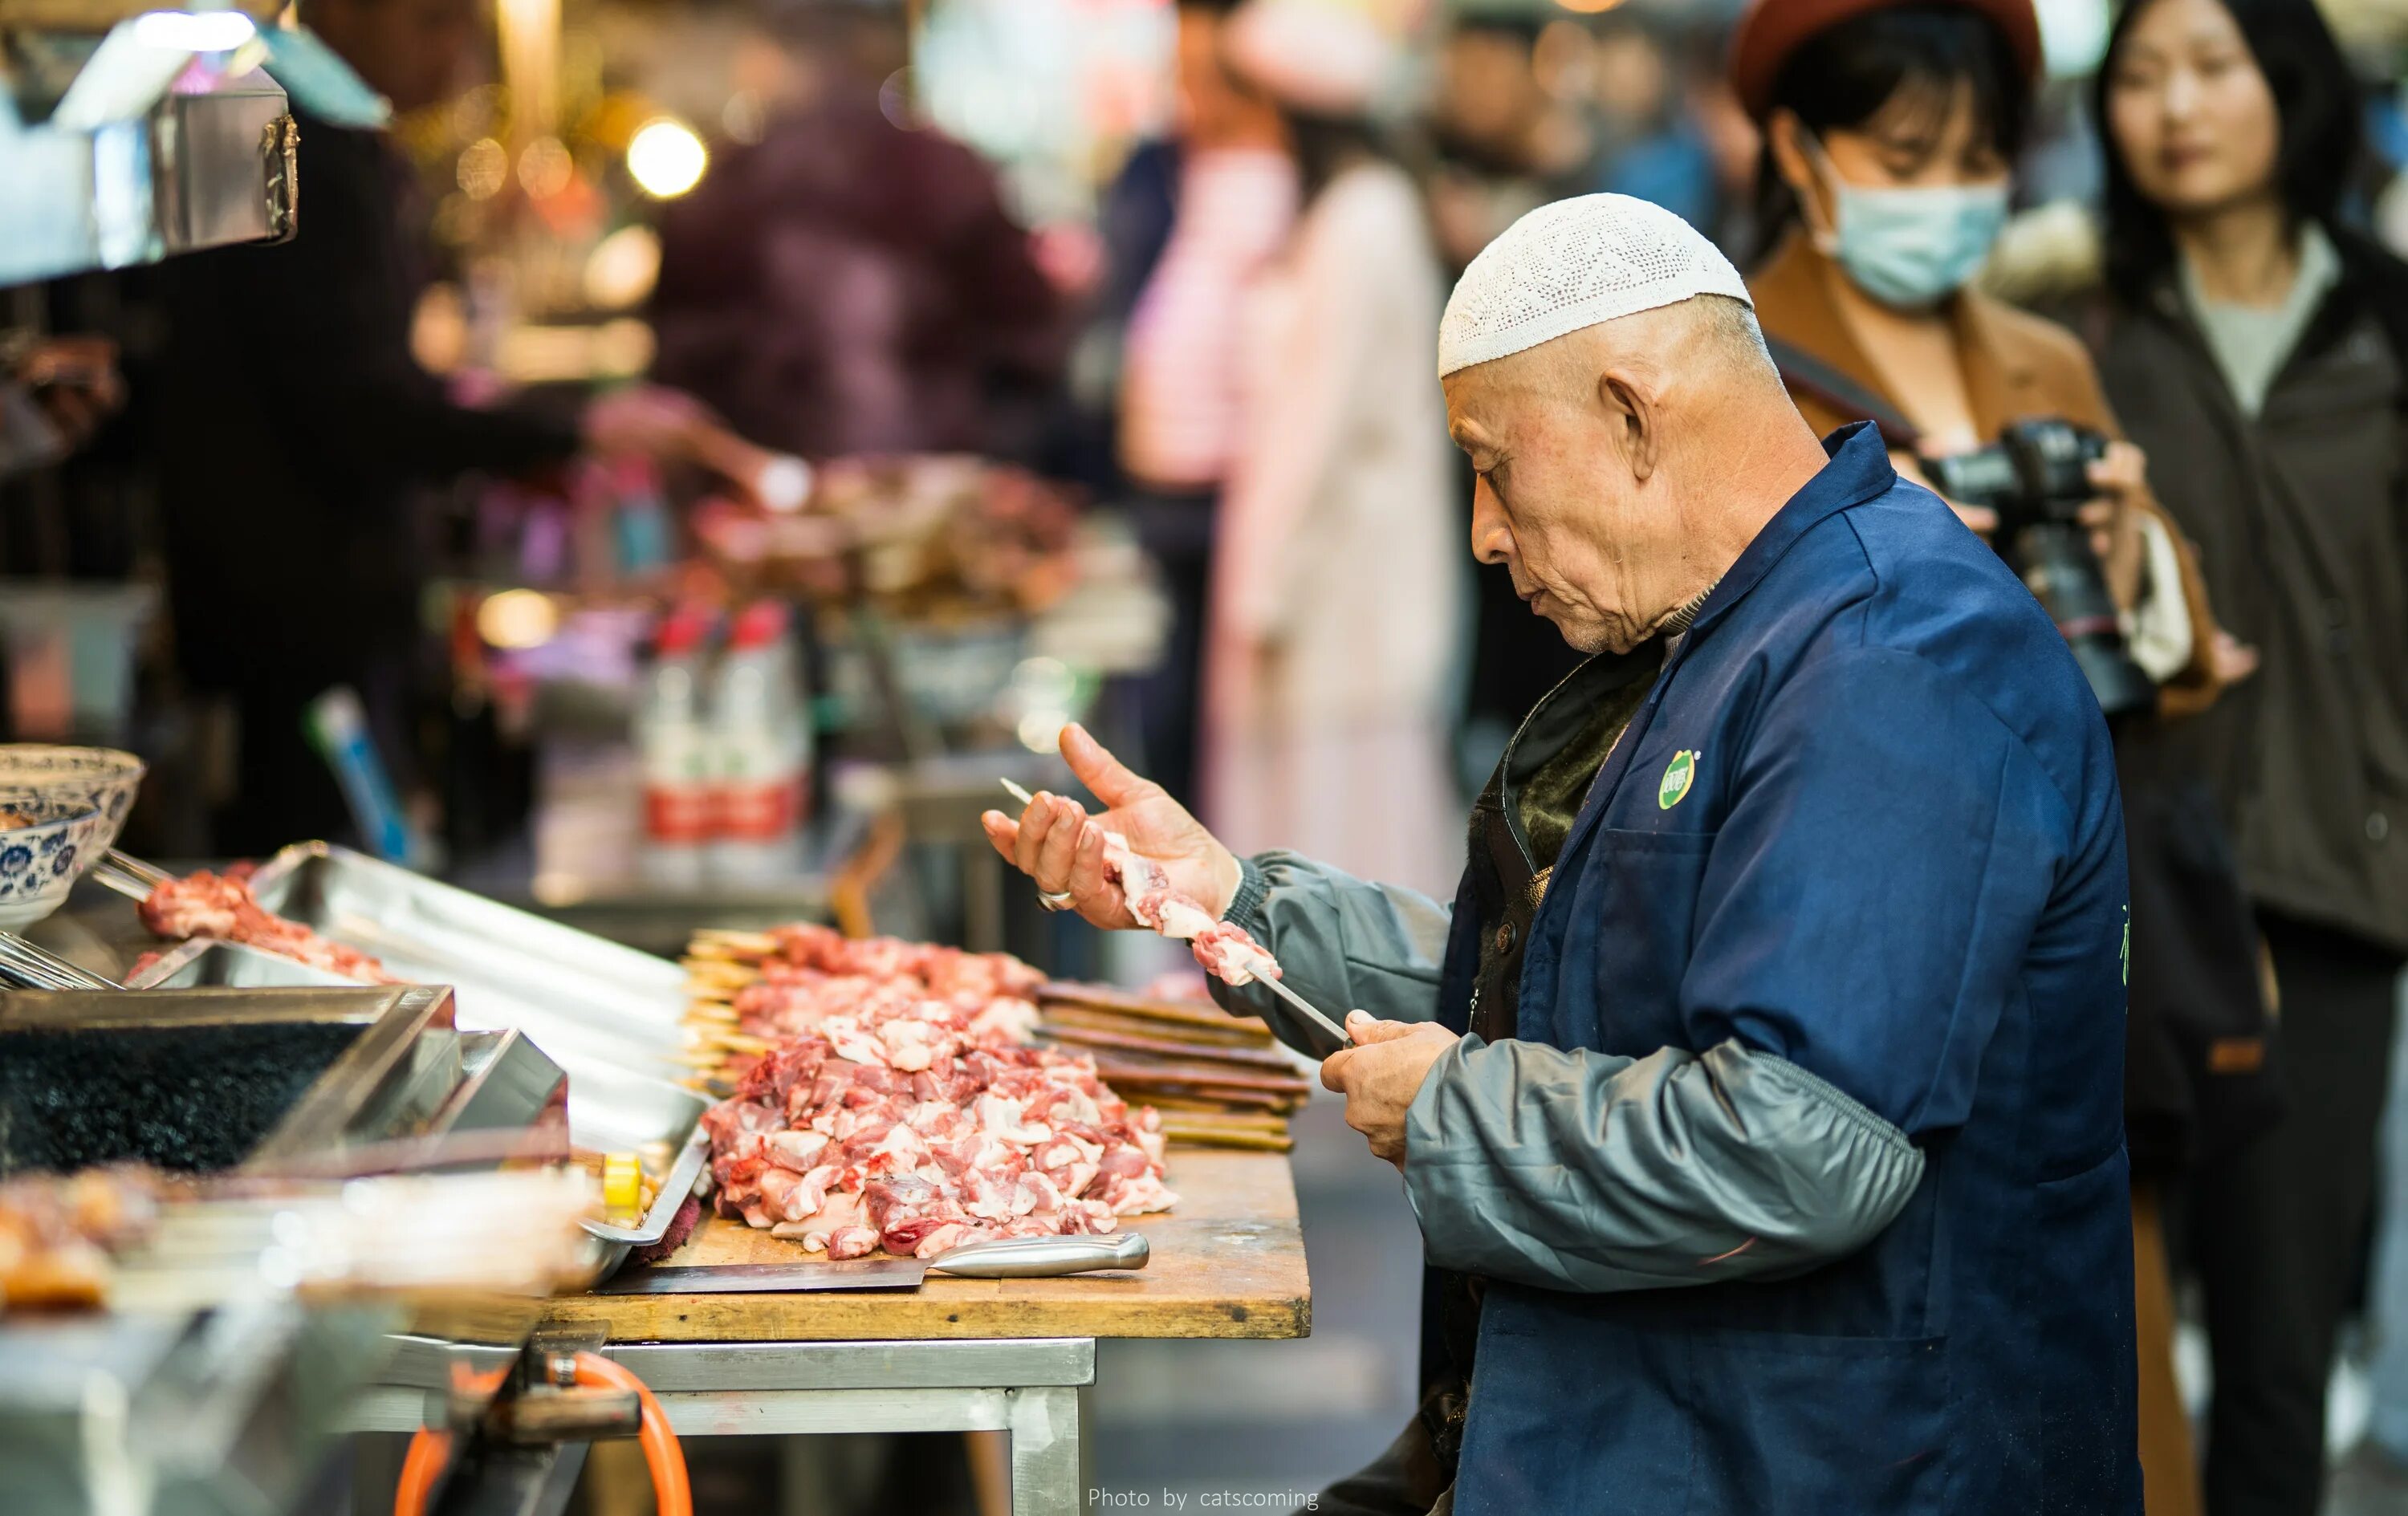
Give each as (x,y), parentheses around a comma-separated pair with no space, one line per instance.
(1382,1073)
(1052,844)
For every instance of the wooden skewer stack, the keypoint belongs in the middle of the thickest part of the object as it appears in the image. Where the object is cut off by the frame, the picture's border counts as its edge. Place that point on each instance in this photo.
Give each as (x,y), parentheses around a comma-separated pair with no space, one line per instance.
(1219,1081)
(717,965)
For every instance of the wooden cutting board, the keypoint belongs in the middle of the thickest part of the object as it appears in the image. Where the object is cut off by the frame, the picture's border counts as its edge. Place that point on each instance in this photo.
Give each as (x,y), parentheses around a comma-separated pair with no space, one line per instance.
(1228,1263)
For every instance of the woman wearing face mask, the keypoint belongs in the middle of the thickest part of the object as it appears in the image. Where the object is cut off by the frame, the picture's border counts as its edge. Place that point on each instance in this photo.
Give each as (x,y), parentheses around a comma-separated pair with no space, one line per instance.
(1889,130)
(2258,348)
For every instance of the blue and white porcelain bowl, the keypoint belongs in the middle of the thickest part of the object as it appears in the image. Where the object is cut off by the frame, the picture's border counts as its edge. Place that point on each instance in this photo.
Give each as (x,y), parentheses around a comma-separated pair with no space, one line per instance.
(97,779)
(45,846)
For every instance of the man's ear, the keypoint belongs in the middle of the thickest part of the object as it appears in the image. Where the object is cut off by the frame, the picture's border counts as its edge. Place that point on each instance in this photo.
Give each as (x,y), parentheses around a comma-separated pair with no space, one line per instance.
(1632,410)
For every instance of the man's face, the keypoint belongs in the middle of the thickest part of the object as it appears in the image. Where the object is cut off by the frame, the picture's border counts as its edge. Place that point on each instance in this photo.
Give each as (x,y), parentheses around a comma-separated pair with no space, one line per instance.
(1556,501)
(410,51)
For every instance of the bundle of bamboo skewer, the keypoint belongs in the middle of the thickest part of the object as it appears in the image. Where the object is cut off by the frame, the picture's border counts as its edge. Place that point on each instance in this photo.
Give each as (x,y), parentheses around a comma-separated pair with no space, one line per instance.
(719,962)
(1219,1081)
(1217,1078)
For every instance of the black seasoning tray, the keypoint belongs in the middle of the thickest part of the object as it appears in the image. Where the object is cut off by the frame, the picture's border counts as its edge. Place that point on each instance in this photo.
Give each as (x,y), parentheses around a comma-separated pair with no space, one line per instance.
(206,1081)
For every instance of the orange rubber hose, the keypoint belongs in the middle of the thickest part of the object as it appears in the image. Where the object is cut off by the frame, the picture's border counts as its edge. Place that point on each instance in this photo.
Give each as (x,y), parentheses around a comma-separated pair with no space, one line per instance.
(430,1449)
(671,1493)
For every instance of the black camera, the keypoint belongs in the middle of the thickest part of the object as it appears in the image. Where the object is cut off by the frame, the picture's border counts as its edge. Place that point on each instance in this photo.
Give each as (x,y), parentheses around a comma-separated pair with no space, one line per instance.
(2037,477)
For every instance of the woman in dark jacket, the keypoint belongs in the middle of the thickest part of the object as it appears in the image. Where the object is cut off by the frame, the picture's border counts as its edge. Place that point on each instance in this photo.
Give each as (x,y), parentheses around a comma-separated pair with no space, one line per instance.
(2256,349)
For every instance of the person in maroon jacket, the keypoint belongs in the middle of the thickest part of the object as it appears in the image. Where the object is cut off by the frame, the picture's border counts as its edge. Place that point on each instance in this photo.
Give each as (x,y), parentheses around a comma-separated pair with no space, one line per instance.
(851,284)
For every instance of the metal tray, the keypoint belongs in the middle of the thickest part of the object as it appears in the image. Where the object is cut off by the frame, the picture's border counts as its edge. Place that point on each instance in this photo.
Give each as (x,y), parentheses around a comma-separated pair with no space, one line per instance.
(580,996)
(213,1079)
(608,1015)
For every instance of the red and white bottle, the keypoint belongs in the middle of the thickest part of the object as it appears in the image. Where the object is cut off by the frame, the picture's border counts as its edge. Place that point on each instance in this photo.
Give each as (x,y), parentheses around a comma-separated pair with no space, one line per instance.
(762,739)
(674,747)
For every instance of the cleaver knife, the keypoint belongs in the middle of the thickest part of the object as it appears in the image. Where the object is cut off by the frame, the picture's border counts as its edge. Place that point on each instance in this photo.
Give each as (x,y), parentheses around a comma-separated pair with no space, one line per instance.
(1004,1258)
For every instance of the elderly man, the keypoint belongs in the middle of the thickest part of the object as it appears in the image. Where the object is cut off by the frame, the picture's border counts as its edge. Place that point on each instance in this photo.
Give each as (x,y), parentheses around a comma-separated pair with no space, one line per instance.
(1759,1094)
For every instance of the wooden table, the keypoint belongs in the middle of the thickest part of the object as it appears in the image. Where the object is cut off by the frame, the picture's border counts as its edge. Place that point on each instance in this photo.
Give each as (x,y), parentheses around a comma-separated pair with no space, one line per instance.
(1012,1356)
(1228,1262)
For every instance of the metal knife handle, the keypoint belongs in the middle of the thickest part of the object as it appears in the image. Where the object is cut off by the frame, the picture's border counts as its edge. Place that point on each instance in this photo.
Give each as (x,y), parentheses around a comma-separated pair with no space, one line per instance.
(1032,1258)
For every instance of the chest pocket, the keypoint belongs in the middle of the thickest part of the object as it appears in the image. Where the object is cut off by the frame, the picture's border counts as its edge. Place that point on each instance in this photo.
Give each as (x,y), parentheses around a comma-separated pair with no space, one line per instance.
(1629,922)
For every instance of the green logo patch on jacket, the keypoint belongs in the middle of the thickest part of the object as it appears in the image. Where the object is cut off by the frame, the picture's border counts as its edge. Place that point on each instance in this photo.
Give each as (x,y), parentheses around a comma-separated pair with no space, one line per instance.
(1678,776)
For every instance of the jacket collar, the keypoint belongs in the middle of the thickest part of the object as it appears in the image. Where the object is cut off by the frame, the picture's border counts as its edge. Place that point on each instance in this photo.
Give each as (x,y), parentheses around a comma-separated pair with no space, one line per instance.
(1793,302)
(1858,470)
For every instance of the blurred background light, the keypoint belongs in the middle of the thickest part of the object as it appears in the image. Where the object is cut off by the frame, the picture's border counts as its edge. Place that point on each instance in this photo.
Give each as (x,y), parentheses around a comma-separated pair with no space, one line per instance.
(484,166)
(2072,36)
(666,159)
(621,269)
(184,31)
(517,618)
(545,167)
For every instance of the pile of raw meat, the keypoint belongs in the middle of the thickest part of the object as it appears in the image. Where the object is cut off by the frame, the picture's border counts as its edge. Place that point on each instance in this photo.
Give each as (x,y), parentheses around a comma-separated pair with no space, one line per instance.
(814,974)
(222,906)
(902,1109)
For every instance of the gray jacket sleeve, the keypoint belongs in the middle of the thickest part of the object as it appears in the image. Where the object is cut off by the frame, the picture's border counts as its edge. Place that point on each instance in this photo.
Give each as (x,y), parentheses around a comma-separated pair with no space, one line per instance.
(1569,1169)
(1346,944)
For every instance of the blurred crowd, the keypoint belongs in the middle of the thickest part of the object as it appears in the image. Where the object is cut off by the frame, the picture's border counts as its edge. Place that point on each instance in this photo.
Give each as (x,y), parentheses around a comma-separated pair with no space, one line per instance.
(2184,260)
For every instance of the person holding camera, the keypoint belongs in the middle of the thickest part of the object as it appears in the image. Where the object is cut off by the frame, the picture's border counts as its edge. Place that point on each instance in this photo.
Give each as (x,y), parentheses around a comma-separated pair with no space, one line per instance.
(1890,130)
(2260,349)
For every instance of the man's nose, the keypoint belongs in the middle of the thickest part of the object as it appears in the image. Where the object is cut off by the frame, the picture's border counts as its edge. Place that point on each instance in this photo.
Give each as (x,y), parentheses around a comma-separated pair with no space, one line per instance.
(1492,535)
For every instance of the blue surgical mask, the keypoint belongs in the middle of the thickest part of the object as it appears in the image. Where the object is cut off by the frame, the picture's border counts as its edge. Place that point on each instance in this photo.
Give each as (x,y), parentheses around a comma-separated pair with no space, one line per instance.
(1911,249)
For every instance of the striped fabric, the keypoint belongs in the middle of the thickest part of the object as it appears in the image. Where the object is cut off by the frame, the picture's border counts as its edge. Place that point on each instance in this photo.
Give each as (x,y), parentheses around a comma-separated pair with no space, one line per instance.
(1179,384)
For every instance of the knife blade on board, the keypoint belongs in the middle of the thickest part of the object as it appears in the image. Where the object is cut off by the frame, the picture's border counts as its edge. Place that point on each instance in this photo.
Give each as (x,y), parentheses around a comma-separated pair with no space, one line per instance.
(1004,1258)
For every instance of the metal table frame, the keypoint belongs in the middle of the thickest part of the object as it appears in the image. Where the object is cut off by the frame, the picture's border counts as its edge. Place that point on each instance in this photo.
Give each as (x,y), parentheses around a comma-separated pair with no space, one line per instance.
(1035,1389)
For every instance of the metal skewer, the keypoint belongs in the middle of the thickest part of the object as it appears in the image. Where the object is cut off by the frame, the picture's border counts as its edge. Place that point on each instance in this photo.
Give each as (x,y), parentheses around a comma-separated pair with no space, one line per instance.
(1303,1008)
(35,967)
(128,876)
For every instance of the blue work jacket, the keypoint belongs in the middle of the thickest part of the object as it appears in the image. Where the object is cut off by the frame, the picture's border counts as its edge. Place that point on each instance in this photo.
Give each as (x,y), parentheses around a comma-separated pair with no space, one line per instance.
(1866,821)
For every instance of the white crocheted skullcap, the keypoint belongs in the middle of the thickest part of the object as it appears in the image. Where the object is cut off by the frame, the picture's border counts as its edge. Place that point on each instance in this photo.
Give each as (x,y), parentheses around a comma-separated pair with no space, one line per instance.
(1324,56)
(1574,263)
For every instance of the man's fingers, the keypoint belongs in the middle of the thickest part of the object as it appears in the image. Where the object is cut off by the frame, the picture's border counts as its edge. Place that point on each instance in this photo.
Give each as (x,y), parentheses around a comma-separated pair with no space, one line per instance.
(1099,771)
(1061,843)
(1365,1028)
(1333,1071)
(1002,831)
(1036,825)
(1087,864)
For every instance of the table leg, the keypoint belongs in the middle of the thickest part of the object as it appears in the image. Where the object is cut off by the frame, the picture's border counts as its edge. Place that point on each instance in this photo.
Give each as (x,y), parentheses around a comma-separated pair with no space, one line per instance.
(1049,1451)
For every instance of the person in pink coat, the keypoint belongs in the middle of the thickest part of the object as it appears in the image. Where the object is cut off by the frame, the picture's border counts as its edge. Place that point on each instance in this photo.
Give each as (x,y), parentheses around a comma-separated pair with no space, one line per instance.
(1335,607)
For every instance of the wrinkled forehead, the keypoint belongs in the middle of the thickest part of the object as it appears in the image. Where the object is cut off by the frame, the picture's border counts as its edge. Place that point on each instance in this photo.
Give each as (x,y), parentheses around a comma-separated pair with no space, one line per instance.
(1478,406)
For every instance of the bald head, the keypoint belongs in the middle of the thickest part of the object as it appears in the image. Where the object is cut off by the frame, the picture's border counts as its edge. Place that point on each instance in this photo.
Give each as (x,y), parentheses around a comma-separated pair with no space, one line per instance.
(1623,465)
